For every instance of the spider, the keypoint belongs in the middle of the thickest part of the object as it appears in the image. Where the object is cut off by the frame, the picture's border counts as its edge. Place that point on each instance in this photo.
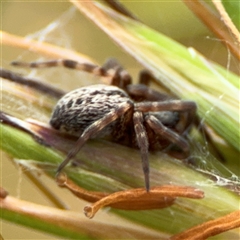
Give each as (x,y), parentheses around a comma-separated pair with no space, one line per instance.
(126,113)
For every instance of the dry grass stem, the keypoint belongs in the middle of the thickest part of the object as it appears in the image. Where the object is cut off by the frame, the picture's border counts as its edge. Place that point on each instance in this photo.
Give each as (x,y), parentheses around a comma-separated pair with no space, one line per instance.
(211,228)
(69,220)
(43,48)
(214,23)
(227,20)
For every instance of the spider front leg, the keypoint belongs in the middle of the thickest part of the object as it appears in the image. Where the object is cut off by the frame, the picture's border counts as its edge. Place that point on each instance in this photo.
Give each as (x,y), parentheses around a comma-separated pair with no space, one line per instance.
(86,67)
(111,68)
(92,130)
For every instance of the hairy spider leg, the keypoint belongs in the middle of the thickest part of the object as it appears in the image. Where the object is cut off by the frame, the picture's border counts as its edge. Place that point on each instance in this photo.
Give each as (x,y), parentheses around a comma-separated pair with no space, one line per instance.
(111,68)
(142,140)
(148,94)
(167,133)
(112,63)
(144,77)
(92,130)
(120,77)
(159,128)
(87,67)
(170,105)
(33,83)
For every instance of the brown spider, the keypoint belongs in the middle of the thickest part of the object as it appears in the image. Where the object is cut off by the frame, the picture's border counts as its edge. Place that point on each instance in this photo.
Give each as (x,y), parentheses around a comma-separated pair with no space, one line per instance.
(130,114)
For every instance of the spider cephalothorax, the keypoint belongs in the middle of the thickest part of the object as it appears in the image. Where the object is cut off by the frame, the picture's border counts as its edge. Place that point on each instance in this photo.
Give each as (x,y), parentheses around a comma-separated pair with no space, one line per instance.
(130,114)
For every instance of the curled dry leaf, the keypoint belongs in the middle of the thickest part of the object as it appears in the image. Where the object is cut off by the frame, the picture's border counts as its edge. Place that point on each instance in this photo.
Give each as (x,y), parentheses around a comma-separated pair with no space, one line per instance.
(132,199)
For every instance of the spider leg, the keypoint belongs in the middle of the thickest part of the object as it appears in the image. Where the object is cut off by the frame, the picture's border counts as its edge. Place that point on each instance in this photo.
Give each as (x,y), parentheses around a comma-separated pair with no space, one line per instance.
(87,67)
(33,83)
(170,105)
(142,141)
(145,77)
(92,130)
(167,133)
(112,63)
(141,91)
(120,77)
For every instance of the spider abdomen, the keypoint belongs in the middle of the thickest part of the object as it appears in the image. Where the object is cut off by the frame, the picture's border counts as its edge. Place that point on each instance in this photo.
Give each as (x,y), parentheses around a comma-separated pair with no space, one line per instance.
(82,107)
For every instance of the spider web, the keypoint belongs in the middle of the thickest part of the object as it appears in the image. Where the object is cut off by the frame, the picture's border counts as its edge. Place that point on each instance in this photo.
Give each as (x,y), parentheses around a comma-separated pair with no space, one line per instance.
(57,32)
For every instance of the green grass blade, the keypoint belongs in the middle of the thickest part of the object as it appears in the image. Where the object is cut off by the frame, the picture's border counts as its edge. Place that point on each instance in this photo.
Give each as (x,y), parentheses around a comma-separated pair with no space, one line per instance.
(105,172)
